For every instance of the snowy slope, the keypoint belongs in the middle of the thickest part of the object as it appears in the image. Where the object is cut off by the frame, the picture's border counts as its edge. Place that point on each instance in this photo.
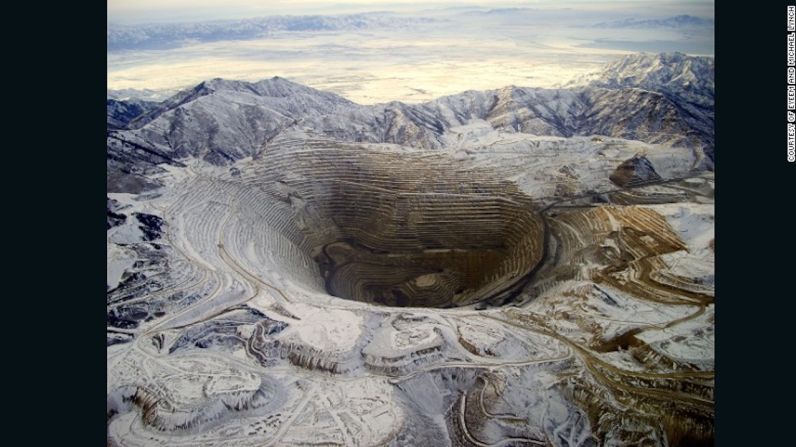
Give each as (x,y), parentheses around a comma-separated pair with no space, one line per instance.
(660,99)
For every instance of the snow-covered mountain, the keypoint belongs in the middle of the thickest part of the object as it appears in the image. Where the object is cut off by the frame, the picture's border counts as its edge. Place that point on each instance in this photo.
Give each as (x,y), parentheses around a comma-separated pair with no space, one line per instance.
(685,81)
(120,113)
(664,99)
(688,77)
(288,267)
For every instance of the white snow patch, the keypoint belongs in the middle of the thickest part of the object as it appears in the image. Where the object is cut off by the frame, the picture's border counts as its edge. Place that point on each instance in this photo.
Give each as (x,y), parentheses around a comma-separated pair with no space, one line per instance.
(119,260)
(333,330)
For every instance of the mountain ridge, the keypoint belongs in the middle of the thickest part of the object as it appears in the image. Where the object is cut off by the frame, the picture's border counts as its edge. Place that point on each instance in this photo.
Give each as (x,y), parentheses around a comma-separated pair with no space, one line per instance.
(661,99)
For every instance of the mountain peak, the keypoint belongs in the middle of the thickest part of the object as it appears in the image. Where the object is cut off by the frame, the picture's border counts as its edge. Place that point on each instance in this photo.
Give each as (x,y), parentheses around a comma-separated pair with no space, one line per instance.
(654,71)
(275,87)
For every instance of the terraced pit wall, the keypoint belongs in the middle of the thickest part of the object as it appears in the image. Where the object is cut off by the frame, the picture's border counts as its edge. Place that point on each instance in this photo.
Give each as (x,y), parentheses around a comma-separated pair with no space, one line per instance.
(400,228)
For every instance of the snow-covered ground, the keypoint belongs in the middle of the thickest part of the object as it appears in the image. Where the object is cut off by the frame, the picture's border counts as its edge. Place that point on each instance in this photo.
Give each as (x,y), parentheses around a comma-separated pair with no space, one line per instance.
(222,330)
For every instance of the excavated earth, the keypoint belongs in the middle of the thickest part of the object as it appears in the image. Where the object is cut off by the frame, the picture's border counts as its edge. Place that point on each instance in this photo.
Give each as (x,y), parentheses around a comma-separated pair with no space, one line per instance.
(500,288)
(406,229)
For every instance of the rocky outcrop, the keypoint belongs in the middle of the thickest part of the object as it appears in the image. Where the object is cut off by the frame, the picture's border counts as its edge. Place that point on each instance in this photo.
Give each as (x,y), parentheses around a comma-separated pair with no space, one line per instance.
(634,172)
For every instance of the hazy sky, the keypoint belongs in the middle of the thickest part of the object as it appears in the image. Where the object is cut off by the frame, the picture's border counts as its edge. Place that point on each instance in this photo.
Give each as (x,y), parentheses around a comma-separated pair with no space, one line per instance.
(142,11)
(421,51)
(132,11)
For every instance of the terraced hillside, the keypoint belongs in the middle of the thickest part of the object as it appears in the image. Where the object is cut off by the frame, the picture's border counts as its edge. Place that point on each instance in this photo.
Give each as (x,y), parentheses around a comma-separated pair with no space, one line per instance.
(495,268)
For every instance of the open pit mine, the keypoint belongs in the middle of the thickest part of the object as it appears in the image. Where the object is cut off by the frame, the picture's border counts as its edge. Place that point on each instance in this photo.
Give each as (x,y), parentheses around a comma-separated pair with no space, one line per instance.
(502,268)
